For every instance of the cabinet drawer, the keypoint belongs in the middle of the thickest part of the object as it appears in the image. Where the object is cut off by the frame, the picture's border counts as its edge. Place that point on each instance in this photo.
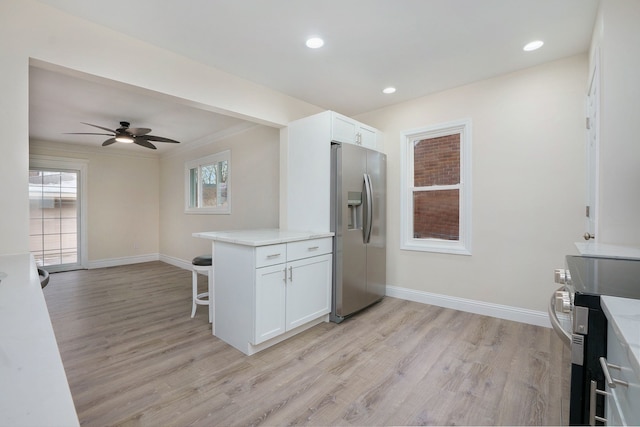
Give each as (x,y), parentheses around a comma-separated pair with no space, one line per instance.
(309,248)
(271,255)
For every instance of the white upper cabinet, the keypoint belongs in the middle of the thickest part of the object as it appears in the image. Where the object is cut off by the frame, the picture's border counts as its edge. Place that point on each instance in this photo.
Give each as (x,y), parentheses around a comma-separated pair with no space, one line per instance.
(305,170)
(347,130)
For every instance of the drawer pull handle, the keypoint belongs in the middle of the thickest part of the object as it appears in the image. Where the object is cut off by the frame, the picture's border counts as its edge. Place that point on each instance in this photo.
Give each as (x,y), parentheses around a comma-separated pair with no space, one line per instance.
(611,382)
(273,255)
(313,248)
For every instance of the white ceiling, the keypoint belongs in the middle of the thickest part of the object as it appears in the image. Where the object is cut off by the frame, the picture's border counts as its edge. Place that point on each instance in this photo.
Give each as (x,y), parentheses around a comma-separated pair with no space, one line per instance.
(60,103)
(418,46)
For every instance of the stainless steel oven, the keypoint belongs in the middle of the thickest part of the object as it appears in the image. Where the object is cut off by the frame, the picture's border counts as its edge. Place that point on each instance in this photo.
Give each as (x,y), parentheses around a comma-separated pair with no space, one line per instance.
(577,317)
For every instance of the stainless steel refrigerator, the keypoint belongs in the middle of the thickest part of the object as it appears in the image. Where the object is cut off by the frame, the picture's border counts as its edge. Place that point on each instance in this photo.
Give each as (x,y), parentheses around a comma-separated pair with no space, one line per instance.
(358,203)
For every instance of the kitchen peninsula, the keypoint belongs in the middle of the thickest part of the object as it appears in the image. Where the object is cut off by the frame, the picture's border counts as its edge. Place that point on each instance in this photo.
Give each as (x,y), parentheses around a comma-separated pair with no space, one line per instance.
(33,388)
(269,284)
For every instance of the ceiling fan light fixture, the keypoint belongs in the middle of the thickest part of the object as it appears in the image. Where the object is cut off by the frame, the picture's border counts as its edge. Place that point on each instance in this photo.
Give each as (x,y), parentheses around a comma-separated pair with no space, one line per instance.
(124,138)
(127,135)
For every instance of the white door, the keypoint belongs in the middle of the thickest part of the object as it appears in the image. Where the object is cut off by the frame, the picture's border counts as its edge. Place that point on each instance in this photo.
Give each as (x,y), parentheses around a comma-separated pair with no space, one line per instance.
(270,302)
(55,220)
(593,117)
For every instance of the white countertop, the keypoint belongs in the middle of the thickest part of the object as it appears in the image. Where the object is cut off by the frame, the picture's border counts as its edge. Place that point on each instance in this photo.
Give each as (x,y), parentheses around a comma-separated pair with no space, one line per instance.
(604,250)
(261,237)
(33,386)
(624,315)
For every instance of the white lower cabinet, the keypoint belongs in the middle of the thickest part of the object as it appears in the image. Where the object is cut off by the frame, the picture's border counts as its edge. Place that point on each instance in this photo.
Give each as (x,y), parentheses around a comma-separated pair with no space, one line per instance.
(623,400)
(307,296)
(290,295)
(268,293)
(270,303)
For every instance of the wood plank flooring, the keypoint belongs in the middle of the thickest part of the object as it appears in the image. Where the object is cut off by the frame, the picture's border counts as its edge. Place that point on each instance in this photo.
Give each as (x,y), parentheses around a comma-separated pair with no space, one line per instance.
(133,356)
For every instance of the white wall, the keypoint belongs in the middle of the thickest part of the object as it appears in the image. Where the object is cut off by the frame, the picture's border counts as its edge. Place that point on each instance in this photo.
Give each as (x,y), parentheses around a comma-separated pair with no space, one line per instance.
(32,31)
(254,185)
(617,38)
(528,145)
(123,198)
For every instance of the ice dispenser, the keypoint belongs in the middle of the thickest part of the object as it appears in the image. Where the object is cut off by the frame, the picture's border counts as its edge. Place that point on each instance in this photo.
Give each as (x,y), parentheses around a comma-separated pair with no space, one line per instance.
(354,204)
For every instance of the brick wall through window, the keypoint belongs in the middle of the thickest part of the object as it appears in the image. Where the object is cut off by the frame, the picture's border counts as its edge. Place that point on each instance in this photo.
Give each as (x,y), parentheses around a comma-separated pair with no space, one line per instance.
(436,213)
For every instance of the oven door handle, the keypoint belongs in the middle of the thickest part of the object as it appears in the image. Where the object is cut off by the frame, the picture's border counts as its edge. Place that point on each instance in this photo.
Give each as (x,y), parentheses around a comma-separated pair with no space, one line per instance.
(555,323)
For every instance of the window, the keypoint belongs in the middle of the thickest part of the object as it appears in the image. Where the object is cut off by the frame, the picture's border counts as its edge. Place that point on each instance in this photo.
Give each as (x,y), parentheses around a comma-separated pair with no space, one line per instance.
(208,184)
(436,188)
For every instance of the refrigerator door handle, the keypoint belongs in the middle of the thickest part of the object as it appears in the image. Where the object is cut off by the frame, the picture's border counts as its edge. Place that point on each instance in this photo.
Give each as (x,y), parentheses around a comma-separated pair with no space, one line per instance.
(368,214)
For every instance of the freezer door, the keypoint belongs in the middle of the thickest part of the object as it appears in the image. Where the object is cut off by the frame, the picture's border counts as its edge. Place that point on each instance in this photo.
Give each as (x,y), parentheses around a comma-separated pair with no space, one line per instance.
(350,254)
(376,248)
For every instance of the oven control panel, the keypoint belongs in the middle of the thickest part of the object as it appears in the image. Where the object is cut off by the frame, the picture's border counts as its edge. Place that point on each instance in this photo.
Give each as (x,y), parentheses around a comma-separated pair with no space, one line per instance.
(562,298)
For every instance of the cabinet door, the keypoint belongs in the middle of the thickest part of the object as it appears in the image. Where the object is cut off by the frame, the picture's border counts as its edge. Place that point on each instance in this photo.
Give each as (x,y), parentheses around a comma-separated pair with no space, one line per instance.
(308,290)
(622,402)
(343,129)
(270,302)
(367,137)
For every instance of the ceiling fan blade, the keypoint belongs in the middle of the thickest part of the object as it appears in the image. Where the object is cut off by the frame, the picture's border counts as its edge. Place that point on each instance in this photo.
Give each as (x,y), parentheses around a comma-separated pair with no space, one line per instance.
(160,139)
(144,143)
(86,133)
(138,131)
(108,142)
(99,127)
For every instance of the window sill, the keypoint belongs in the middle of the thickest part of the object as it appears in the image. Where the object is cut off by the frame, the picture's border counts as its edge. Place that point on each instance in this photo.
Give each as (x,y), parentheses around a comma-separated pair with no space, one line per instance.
(207,212)
(452,249)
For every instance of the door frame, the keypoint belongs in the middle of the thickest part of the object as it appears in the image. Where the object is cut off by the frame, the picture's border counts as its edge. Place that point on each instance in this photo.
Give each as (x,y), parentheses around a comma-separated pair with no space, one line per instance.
(38,161)
(593,150)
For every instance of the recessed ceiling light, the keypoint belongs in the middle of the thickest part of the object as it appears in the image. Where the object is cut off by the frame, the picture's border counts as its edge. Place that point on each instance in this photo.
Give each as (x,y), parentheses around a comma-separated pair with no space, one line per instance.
(315,42)
(533,45)
(388,90)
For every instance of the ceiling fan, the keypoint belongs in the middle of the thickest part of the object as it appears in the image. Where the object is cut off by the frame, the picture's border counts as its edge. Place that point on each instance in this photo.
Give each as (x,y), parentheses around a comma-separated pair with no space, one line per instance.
(127,135)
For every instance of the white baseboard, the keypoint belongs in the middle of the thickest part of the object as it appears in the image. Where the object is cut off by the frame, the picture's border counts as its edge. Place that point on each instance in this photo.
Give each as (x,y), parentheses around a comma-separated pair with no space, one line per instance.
(177,262)
(113,262)
(516,314)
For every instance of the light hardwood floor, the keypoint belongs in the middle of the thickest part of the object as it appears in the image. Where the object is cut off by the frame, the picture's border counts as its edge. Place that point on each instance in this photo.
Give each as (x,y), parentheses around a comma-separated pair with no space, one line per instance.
(133,356)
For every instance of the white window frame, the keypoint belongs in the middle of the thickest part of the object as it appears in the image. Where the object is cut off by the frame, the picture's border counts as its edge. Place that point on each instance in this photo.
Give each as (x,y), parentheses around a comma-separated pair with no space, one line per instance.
(197,163)
(408,138)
